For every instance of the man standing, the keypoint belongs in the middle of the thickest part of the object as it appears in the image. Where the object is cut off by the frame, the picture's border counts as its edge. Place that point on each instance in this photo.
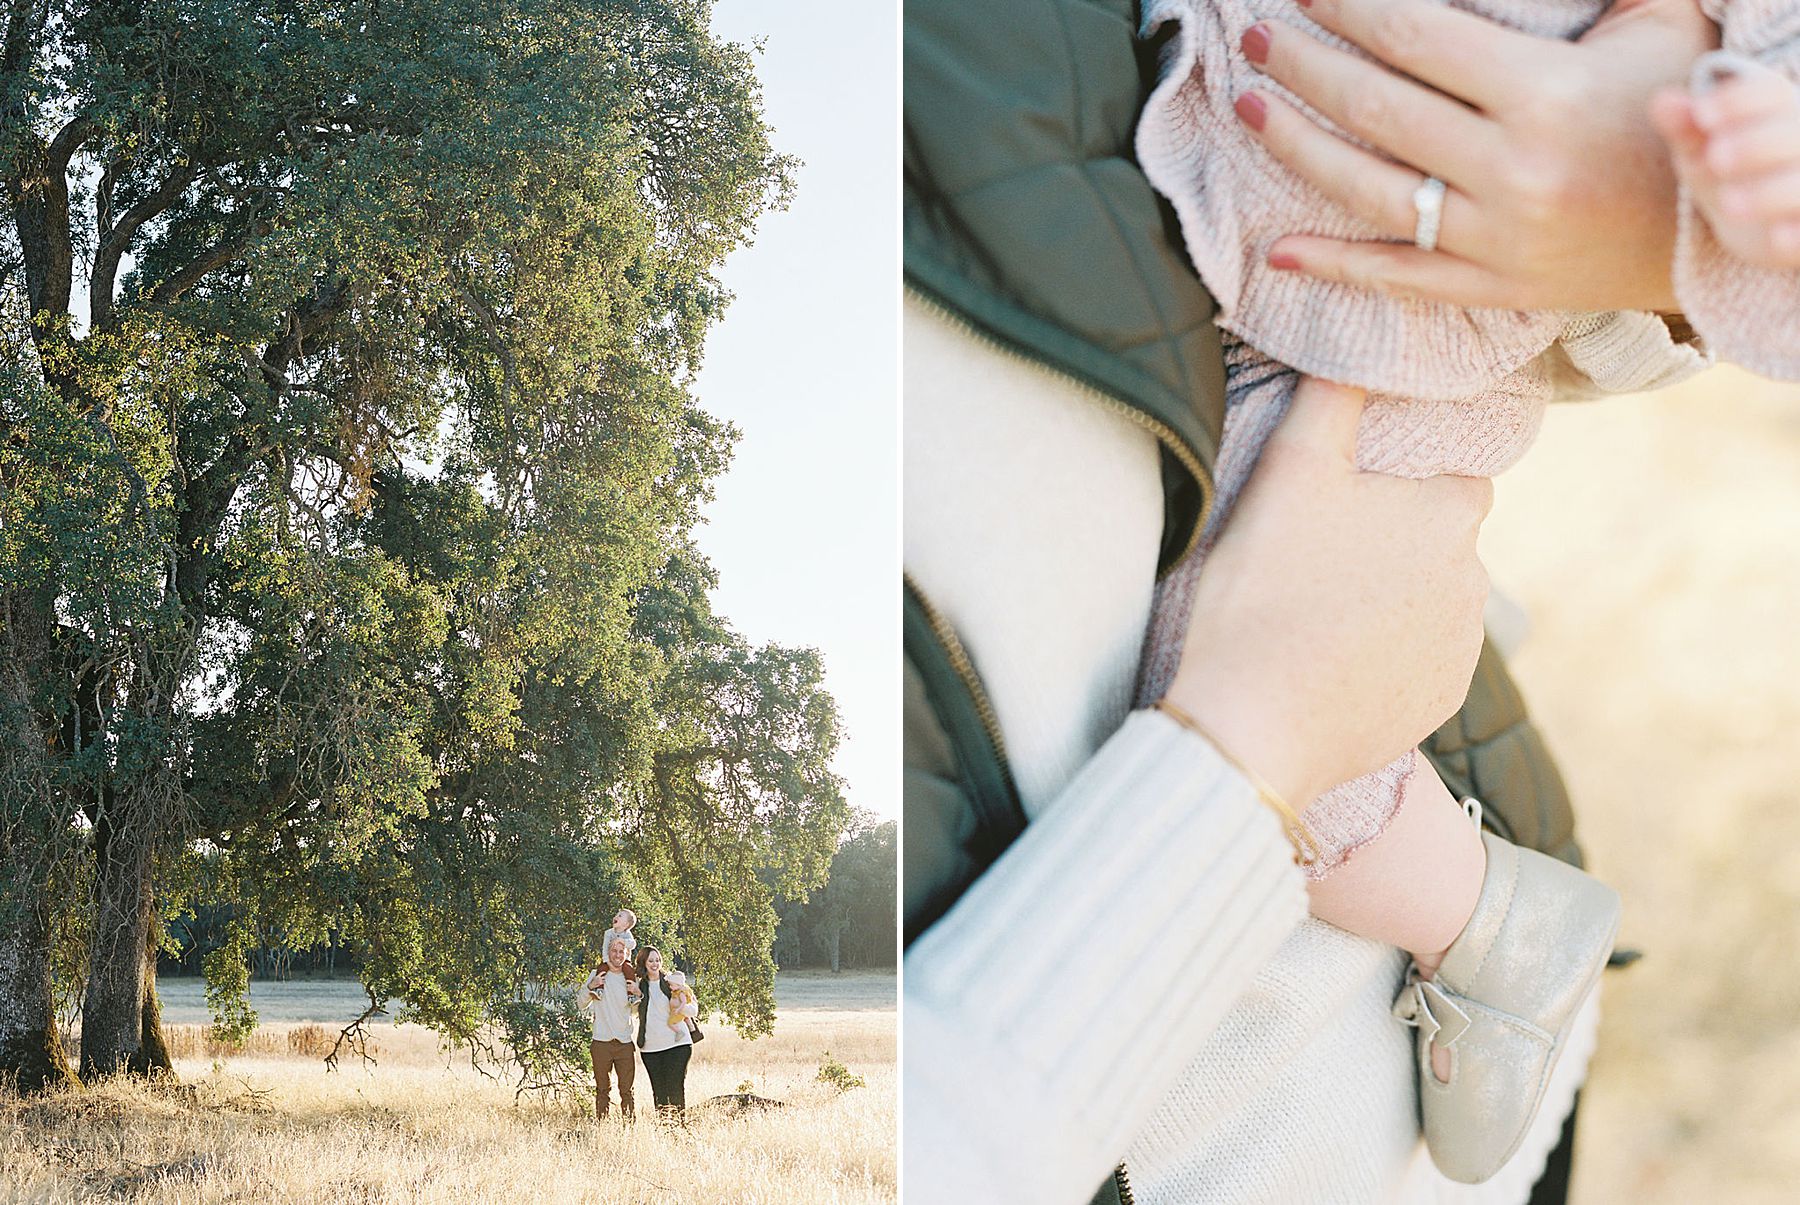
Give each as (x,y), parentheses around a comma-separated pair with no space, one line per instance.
(607,996)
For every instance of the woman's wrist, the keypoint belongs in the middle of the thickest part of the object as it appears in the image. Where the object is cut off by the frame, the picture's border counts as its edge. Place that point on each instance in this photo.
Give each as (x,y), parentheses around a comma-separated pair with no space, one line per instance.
(1306,848)
(1248,736)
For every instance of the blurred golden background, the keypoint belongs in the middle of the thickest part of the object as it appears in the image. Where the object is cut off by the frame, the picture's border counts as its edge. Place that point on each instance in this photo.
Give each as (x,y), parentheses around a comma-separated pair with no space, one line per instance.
(1654,543)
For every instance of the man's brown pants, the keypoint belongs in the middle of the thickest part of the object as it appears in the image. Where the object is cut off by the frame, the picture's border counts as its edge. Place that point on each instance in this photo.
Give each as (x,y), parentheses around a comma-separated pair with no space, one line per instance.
(608,1057)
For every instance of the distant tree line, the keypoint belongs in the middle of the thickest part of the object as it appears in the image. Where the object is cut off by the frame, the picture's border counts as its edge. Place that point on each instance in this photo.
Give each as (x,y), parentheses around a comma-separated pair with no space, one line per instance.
(850,921)
(273,954)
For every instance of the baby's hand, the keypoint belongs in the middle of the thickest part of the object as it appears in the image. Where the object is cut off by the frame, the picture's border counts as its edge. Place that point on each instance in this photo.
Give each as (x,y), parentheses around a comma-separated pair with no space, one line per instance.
(1735,139)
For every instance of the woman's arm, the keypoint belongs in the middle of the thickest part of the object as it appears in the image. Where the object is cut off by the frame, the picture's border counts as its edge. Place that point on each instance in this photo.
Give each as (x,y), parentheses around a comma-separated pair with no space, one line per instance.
(1027,1071)
(1561,193)
(1337,624)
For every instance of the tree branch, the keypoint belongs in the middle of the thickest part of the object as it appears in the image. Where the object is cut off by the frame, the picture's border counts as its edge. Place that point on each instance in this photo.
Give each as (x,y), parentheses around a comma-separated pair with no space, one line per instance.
(213,258)
(39,188)
(356,1034)
(328,301)
(68,140)
(40,198)
(114,242)
(208,500)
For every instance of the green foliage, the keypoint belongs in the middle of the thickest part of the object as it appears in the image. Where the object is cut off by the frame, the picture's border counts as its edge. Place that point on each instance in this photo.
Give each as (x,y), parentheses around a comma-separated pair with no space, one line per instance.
(228,985)
(347,516)
(546,1044)
(837,1075)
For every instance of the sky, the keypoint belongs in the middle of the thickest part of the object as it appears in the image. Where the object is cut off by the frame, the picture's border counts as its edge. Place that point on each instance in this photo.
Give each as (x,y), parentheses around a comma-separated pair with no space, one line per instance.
(804,528)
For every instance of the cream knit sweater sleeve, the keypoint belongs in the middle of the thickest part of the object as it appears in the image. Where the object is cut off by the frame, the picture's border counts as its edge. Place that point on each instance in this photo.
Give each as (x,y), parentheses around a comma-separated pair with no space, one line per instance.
(1029,1067)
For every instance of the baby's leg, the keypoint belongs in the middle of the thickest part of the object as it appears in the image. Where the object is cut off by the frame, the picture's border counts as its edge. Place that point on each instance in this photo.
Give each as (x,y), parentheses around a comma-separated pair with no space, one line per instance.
(1415,884)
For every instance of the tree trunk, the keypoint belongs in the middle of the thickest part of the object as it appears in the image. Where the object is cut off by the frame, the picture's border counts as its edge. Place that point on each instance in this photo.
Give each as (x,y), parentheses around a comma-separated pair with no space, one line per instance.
(31,1048)
(32,834)
(153,1049)
(837,946)
(112,1015)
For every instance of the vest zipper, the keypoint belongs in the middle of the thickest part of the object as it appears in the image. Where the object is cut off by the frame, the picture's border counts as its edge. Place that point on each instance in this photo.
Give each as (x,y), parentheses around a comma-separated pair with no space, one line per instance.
(1165,434)
(965,669)
(953,647)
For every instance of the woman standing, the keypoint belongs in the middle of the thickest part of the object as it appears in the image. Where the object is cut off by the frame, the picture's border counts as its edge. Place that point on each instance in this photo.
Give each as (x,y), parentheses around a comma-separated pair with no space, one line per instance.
(664,1011)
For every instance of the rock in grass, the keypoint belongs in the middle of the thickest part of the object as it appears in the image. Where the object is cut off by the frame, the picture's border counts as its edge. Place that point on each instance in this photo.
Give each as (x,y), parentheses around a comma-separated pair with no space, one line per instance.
(735,1103)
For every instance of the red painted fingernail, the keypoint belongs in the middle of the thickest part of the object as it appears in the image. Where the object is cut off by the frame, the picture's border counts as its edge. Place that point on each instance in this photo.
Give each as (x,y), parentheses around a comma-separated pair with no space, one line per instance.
(1305,3)
(1255,43)
(1283,261)
(1251,110)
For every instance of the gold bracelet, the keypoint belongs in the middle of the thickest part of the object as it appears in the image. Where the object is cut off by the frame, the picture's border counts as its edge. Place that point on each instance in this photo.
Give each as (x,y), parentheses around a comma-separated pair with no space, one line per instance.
(1306,848)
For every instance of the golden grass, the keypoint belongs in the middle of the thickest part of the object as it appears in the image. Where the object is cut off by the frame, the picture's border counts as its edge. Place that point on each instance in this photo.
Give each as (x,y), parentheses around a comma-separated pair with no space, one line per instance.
(309,1040)
(1655,543)
(422,1126)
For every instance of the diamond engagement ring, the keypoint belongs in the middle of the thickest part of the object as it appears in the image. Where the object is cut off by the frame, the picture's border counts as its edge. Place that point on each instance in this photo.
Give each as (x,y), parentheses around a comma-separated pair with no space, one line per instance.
(1428,202)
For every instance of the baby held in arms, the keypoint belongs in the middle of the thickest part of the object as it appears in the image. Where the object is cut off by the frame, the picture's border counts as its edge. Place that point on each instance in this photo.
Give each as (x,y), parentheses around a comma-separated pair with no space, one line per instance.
(1506,943)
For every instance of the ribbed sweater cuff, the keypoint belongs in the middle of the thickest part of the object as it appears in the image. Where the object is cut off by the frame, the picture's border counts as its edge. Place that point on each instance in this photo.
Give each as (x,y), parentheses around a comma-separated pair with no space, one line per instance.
(1091,962)
(1627,351)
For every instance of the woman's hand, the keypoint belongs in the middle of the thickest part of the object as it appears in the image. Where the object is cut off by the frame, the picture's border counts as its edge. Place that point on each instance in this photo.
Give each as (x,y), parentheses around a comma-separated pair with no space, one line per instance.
(1561,194)
(1338,620)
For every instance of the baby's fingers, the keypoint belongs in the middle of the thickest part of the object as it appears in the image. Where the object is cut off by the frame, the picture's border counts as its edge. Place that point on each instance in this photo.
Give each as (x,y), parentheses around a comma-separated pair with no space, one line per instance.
(1740,91)
(1771,198)
(1755,148)
(1672,112)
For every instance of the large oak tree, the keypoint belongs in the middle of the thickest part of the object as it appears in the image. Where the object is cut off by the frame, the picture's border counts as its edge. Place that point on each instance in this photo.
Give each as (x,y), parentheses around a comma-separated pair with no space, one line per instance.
(347,470)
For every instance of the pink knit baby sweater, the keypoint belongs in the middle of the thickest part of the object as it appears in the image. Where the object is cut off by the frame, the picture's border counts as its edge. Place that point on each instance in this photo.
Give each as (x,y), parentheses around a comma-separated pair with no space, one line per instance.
(1452,390)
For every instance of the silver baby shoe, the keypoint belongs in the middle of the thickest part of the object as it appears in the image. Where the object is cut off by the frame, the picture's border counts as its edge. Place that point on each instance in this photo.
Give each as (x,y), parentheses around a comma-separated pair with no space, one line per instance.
(1502,1004)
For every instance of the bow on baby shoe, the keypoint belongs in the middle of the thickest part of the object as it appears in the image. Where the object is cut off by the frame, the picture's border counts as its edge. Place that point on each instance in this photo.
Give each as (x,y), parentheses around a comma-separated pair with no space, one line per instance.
(1431,1009)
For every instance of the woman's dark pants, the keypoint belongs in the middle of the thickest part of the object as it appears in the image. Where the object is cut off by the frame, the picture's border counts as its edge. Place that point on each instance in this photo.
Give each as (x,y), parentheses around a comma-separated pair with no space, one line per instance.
(668,1077)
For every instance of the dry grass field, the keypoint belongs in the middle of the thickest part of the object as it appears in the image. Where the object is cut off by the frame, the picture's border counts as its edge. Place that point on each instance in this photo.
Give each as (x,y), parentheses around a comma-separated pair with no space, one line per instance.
(421,1126)
(1655,544)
